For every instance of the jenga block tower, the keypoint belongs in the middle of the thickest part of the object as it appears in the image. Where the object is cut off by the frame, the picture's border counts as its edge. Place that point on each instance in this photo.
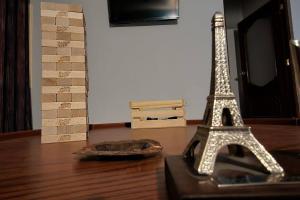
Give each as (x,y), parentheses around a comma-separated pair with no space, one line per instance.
(64,74)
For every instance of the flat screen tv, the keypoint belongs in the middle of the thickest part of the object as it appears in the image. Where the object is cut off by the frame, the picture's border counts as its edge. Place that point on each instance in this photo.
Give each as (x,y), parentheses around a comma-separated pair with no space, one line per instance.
(122,12)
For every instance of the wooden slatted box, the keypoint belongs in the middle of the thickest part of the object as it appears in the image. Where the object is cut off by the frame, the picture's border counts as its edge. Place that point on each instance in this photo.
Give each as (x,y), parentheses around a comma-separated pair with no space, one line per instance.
(157,114)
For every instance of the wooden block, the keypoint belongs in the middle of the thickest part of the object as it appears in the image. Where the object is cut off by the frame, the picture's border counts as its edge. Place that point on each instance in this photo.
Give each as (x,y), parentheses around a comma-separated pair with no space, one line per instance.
(64,66)
(62,7)
(75,8)
(62,43)
(76,22)
(64,51)
(180,122)
(48,6)
(49,81)
(63,138)
(64,130)
(75,15)
(156,104)
(79,59)
(48,98)
(54,28)
(64,81)
(49,66)
(78,81)
(64,121)
(49,35)
(78,97)
(78,52)
(157,113)
(62,21)
(63,74)
(79,113)
(49,114)
(78,67)
(65,113)
(63,89)
(50,130)
(77,36)
(79,128)
(48,20)
(56,58)
(57,13)
(64,97)
(63,36)
(66,105)
(49,51)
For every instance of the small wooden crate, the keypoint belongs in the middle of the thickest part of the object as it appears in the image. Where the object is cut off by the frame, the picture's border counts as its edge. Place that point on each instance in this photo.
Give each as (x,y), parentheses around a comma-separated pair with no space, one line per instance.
(157,114)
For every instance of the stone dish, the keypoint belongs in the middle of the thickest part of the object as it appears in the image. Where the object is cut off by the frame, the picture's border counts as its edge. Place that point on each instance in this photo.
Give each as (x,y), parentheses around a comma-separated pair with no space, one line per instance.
(124,148)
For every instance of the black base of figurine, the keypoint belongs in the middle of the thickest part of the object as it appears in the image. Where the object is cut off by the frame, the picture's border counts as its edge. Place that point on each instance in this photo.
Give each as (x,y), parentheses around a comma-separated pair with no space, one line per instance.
(241,179)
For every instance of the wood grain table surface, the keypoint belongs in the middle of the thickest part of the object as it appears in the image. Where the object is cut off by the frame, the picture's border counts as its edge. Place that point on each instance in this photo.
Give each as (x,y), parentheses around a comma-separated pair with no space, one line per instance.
(30,170)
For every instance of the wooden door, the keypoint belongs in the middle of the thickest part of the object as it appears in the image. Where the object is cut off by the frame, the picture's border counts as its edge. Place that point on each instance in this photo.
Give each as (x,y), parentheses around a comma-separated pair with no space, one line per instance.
(265,78)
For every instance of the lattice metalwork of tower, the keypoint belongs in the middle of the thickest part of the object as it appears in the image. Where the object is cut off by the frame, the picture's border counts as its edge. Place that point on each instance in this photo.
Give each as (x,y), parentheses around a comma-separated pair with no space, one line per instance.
(223,122)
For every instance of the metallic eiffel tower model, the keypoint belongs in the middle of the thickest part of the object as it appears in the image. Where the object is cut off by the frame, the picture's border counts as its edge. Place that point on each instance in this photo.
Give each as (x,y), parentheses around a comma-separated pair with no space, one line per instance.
(223,122)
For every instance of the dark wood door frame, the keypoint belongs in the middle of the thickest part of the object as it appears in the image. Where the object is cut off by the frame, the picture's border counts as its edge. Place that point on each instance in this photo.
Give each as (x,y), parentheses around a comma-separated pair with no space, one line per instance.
(280,18)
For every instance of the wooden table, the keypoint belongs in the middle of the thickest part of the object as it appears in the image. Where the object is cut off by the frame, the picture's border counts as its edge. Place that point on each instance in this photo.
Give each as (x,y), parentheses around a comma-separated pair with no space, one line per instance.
(29,170)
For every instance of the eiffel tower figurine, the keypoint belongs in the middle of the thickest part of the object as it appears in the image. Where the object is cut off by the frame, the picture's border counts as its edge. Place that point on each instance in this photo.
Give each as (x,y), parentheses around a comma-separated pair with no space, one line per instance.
(223,122)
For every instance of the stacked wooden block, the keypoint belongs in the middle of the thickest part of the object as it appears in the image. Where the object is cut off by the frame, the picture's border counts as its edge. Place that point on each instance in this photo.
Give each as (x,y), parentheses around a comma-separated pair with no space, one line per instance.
(157,114)
(64,74)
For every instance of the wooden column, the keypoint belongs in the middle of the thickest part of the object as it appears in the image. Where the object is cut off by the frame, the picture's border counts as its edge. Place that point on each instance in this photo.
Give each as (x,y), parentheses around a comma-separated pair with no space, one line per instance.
(64,74)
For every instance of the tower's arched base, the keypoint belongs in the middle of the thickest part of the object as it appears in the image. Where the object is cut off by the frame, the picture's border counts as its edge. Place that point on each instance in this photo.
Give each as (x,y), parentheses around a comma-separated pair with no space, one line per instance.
(212,139)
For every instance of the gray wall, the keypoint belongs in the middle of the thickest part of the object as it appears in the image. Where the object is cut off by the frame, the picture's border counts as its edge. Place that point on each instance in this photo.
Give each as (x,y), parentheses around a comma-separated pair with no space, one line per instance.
(295,12)
(139,63)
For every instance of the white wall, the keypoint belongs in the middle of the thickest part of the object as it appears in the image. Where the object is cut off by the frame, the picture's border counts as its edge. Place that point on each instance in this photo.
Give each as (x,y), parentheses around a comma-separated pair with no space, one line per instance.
(139,63)
(295,11)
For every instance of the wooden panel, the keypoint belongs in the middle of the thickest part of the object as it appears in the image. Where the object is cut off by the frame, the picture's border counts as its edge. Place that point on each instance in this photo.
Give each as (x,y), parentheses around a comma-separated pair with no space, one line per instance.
(77,36)
(78,97)
(62,105)
(179,112)
(49,50)
(54,28)
(76,22)
(48,97)
(66,97)
(63,138)
(156,104)
(62,43)
(63,89)
(63,36)
(78,113)
(61,7)
(64,66)
(75,8)
(78,67)
(62,21)
(64,74)
(48,20)
(158,123)
(49,114)
(78,52)
(64,121)
(49,82)
(64,113)
(61,14)
(50,130)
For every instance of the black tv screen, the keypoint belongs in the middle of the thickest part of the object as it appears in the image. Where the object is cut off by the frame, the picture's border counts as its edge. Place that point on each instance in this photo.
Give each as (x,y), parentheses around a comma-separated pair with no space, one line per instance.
(142,11)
